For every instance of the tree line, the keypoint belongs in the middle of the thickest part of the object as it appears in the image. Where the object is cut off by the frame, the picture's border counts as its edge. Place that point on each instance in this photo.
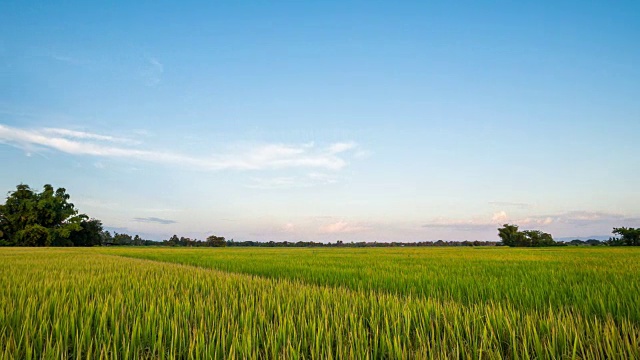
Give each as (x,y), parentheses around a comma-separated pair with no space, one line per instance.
(511,236)
(360,244)
(48,218)
(220,241)
(122,239)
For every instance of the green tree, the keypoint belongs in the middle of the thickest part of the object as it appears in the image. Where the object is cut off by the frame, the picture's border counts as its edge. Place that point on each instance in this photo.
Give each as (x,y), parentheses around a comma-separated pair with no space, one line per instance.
(510,235)
(537,238)
(629,236)
(216,241)
(122,239)
(90,234)
(174,240)
(33,235)
(106,237)
(29,218)
(17,213)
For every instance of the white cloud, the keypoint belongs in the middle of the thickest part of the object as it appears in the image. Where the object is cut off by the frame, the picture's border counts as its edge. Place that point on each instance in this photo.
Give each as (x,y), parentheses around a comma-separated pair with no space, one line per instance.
(572,218)
(73,134)
(282,156)
(475,224)
(362,154)
(268,156)
(155,220)
(583,218)
(288,228)
(462,225)
(499,217)
(341,227)
(341,147)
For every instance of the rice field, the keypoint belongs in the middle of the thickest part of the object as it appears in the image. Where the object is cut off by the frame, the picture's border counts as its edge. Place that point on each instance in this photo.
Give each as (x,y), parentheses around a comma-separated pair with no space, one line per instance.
(431,303)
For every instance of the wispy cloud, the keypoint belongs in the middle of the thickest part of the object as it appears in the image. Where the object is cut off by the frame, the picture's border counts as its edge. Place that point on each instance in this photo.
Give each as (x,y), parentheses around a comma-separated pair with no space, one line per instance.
(459,225)
(288,182)
(500,216)
(476,224)
(583,218)
(362,154)
(341,147)
(73,134)
(257,157)
(322,178)
(61,57)
(281,182)
(342,227)
(468,225)
(152,72)
(155,220)
(71,60)
(574,218)
(288,228)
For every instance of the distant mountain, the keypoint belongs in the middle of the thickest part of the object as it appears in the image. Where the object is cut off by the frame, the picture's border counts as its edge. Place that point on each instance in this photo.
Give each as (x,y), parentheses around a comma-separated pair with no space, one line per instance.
(584,238)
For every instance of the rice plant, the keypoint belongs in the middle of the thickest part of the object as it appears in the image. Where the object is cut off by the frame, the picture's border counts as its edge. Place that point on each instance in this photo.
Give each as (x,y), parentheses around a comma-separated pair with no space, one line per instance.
(95,304)
(533,279)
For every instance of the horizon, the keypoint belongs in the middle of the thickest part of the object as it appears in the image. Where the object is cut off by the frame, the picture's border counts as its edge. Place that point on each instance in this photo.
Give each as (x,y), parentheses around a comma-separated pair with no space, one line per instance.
(350,121)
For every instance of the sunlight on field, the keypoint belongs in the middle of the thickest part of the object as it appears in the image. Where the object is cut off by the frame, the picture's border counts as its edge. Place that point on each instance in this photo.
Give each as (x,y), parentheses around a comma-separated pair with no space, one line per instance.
(319,303)
(578,278)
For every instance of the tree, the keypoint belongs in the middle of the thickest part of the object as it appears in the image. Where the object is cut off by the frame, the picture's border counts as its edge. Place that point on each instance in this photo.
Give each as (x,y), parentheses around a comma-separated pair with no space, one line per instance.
(174,240)
(528,238)
(216,241)
(537,238)
(629,236)
(106,237)
(29,218)
(90,234)
(613,241)
(510,235)
(122,239)
(33,235)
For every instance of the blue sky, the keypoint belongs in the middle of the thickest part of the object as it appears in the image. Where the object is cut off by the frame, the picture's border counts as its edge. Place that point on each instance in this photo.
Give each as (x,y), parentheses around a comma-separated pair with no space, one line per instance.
(350,120)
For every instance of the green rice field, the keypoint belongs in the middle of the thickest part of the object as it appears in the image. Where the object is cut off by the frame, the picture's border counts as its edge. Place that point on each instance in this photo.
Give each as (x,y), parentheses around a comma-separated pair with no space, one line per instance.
(318,303)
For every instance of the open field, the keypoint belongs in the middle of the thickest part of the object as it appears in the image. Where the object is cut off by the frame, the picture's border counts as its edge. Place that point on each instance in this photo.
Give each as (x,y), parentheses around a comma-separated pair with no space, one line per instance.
(320,303)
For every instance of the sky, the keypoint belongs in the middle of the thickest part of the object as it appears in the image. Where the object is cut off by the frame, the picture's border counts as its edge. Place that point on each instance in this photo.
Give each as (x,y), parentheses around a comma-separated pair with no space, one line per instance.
(328,120)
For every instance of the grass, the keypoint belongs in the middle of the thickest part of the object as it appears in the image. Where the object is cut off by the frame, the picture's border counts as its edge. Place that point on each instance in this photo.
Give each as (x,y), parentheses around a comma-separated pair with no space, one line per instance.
(532,279)
(319,303)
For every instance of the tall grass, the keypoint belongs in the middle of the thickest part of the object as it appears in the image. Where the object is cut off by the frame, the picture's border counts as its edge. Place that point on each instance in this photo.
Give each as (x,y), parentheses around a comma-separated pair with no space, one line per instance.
(603,282)
(83,304)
